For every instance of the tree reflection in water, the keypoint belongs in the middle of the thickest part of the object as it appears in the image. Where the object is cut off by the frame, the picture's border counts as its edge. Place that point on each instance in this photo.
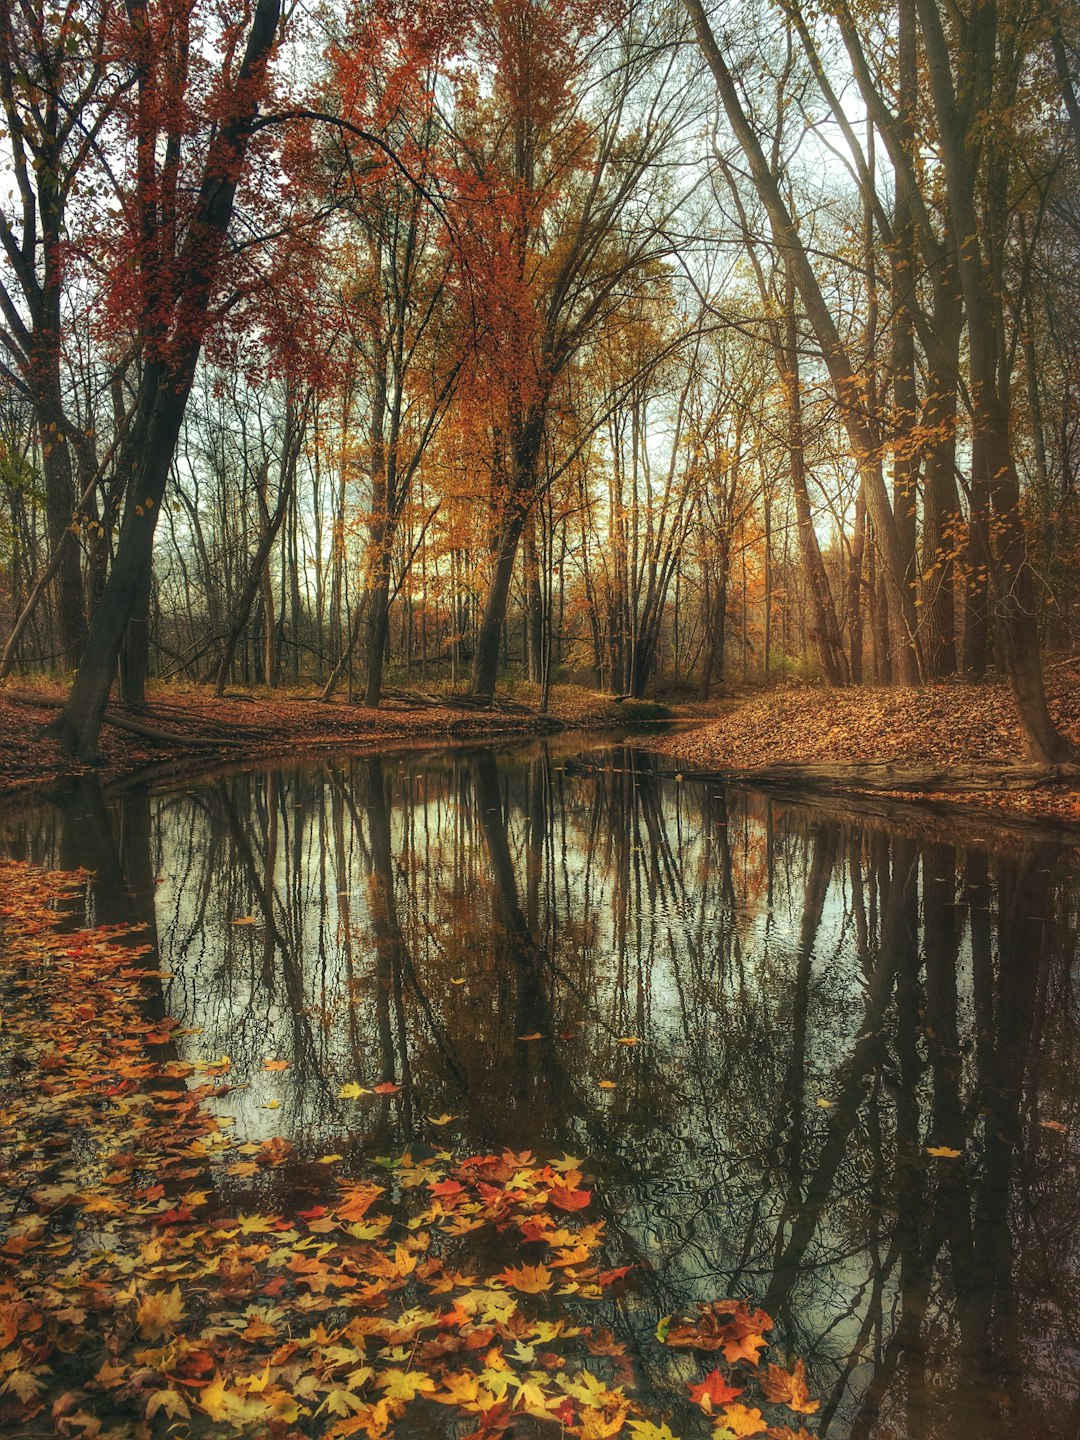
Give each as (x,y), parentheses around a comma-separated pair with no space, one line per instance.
(816,997)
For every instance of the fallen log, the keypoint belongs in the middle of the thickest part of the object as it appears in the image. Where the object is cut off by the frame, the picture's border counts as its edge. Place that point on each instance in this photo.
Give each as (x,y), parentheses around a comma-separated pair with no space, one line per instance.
(124,722)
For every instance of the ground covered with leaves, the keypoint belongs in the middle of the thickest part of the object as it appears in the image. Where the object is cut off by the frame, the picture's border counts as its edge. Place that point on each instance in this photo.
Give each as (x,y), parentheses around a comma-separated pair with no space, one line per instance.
(943,726)
(158,1275)
(191,725)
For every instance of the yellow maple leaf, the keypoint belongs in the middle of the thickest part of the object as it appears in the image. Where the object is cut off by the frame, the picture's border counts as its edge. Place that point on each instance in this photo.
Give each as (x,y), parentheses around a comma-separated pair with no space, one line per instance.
(568,1162)
(943,1152)
(160,1312)
(405,1384)
(171,1401)
(743,1419)
(221,1403)
(646,1430)
(529,1279)
(601,1424)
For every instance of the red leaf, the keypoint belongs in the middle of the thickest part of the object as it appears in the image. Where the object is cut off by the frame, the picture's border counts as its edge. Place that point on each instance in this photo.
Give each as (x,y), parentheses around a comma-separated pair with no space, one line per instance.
(713,1390)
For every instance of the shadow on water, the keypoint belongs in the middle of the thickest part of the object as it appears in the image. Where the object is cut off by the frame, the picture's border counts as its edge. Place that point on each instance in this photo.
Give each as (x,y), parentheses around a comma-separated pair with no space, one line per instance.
(792,1003)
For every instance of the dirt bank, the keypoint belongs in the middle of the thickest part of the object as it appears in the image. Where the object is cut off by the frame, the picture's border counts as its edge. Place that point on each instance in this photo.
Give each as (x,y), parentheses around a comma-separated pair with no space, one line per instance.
(951,742)
(190,724)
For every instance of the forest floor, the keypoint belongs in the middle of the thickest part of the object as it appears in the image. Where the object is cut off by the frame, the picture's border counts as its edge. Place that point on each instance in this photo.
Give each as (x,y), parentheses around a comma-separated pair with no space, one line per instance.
(188,724)
(955,743)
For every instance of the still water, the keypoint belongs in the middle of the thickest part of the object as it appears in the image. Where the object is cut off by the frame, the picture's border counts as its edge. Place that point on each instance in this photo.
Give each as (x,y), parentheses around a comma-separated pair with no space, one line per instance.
(754,1017)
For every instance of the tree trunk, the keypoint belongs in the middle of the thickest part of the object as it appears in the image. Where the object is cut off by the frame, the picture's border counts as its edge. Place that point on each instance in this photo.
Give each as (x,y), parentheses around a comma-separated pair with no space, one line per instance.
(378,620)
(830,645)
(135,650)
(153,441)
(534,604)
(59,506)
(515,510)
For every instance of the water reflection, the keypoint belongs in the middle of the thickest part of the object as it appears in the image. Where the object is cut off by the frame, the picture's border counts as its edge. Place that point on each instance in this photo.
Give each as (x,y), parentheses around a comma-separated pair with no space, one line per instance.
(792,1004)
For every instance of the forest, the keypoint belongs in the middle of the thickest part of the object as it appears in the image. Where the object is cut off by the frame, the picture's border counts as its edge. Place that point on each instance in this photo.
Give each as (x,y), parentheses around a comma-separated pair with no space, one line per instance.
(482,348)
(539,719)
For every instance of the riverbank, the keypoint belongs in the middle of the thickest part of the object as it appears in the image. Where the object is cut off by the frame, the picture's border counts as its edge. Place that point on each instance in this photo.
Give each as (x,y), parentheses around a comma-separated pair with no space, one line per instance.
(953,743)
(190,724)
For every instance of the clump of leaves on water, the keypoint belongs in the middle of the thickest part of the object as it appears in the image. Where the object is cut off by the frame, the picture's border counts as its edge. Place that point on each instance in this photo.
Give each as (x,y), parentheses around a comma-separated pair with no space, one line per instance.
(139,1296)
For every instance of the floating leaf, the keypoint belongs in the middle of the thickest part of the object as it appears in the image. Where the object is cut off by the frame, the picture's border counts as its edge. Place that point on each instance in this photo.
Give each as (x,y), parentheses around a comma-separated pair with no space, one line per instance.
(788,1388)
(714,1390)
(529,1279)
(743,1420)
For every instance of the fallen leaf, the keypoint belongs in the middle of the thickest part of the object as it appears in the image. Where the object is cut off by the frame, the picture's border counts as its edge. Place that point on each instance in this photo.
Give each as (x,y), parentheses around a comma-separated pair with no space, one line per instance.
(788,1388)
(529,1279)
(160,1312)
(743,1419)
(714,1390)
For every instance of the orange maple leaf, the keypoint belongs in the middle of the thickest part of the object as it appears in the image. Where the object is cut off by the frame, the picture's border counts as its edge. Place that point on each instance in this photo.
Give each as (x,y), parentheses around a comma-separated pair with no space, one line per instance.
(566,1199)
(529,1279)
(787,1389)
(715,1389)
(356,1201)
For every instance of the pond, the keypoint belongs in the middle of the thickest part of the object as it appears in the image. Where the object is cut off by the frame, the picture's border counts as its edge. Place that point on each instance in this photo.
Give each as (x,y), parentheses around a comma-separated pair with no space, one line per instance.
(756,1017)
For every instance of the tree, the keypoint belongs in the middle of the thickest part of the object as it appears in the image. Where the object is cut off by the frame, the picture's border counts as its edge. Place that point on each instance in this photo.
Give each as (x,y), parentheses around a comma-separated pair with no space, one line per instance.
(178,258)
(553,226)
(60,92)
